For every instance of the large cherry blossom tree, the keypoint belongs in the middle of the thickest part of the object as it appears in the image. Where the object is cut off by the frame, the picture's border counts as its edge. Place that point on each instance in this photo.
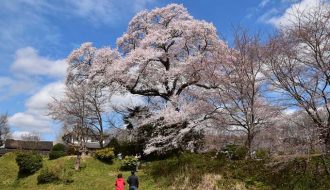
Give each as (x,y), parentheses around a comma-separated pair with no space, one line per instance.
(167,56)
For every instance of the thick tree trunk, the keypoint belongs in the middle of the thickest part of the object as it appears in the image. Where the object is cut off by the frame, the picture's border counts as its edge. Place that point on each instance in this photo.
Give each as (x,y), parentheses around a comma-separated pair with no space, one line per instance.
(326,138)
(101,139)
(248,144)
(81,152)
(77,164)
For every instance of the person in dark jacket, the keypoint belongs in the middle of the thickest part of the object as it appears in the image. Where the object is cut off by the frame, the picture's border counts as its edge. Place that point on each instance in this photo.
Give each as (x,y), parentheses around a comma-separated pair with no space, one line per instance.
(133,181)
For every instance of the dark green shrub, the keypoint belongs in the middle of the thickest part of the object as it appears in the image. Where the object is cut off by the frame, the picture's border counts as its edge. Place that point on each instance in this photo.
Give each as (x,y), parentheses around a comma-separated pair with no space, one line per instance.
(105,155)
(58,150)
(28,163)
(59,147)
(129,148)
(129,163)
(235,152)
(47,176)
(56,154)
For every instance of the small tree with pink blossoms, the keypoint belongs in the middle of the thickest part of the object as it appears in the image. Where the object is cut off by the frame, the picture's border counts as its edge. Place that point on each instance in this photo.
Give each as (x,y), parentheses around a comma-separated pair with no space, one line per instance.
(83,107)
(86,67)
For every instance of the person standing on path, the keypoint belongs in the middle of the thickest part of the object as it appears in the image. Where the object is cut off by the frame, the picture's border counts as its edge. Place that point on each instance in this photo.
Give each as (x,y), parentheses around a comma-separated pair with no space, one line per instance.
(120,182)
(133,181)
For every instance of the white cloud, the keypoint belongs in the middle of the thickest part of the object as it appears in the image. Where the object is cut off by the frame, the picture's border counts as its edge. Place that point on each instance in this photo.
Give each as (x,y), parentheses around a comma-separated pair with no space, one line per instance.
(29,71)
(268,15)
(35,117)
(263,3)
(30,122)
(39,101)
(27,61)
(289,14)
(126,100)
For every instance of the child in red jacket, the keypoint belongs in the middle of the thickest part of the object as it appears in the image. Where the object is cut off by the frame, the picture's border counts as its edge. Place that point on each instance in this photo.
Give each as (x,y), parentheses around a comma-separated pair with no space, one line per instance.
(120,182)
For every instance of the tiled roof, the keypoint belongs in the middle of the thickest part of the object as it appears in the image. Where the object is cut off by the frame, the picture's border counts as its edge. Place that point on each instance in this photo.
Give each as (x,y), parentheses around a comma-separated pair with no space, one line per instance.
(28,145)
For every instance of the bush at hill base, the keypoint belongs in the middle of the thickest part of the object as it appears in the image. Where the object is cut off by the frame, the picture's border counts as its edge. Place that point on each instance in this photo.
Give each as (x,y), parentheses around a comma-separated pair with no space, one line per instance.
(129,163)
(58,150)
(105,155)
(28,163)
(235,152)
(61,172)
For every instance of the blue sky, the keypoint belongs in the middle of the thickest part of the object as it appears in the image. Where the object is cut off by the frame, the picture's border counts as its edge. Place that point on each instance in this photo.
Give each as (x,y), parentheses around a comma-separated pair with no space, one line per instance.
(36,37)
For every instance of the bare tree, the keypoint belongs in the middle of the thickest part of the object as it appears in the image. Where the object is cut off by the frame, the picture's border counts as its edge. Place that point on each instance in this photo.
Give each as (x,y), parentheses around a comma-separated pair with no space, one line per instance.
(73,112)
(86,66)
(97,100)
(240,97)
(32,136)
(4,128)
(299,66)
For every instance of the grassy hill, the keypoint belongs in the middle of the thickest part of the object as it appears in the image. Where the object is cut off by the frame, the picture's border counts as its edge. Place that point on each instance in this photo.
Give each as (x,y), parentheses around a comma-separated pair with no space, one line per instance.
(188,171)
(94,175)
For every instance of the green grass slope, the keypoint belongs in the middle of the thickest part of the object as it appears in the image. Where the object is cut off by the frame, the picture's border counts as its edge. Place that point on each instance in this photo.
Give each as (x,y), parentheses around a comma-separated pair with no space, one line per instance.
(94,175)
(201,172)
(187,171)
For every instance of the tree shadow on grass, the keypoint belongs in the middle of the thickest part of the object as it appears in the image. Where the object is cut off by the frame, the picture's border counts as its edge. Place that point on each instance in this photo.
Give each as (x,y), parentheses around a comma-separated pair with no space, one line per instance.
(21,175)
(109,162)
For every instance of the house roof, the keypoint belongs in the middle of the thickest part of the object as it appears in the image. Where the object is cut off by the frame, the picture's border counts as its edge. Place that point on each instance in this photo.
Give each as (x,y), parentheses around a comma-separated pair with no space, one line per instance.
(28,145)
(87,132)
(92,145)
